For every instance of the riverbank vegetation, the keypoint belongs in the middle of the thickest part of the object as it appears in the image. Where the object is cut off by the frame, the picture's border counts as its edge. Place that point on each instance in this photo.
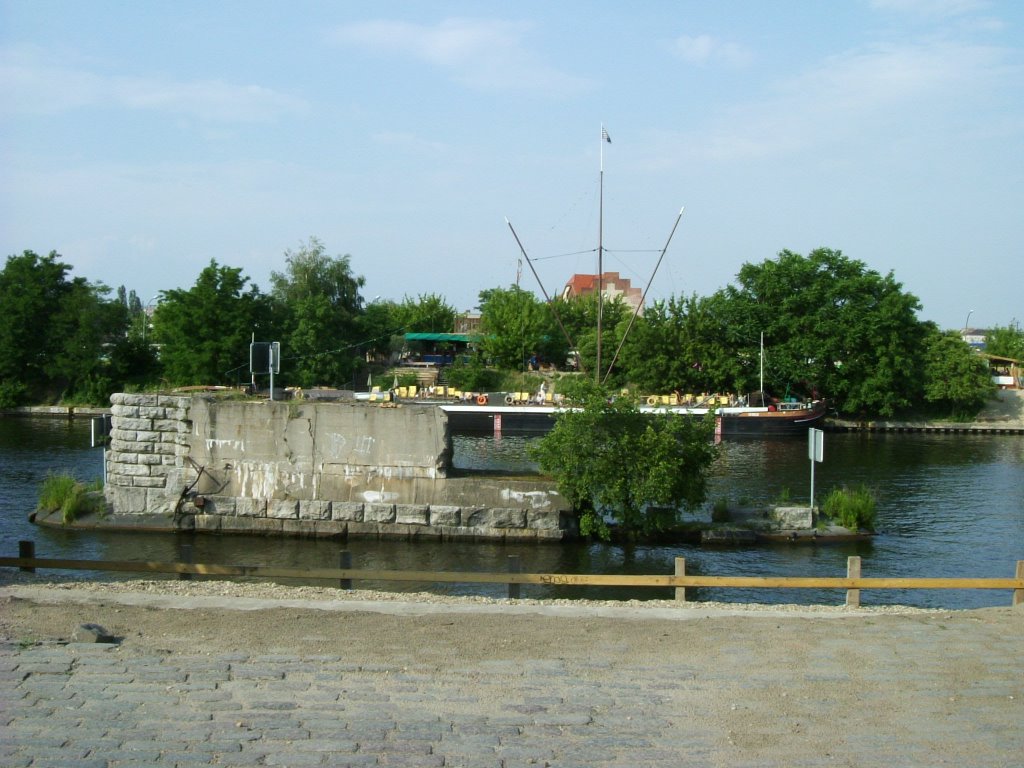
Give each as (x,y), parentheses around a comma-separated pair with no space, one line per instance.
(854,508)
(64,493)
(831,327)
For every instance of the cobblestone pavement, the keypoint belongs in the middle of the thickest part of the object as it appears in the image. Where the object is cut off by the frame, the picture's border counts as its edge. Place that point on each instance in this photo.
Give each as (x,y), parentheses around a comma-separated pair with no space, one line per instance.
(724,691)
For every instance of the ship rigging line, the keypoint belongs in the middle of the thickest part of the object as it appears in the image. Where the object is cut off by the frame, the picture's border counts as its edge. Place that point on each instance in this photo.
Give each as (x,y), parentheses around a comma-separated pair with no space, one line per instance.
(643,296)
(594,250)
(562,255)
(547,298)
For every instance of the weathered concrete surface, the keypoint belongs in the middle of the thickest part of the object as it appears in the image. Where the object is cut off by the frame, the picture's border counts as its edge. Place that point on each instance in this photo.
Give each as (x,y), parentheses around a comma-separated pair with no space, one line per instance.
(309,469)
(308,451)
(305,684)
(792,518)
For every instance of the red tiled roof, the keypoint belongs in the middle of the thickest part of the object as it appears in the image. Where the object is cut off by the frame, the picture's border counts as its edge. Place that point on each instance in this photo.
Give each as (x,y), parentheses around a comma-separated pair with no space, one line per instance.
(579,285)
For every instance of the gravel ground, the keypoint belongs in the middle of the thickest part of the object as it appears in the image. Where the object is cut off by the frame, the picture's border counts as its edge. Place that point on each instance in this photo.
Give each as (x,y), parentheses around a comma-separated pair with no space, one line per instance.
(165,612)
(181,616)
(317,676)
(270,591)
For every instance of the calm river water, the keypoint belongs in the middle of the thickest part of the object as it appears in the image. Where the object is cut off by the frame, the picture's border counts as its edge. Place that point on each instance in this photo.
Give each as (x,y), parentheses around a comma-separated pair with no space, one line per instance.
(949,505)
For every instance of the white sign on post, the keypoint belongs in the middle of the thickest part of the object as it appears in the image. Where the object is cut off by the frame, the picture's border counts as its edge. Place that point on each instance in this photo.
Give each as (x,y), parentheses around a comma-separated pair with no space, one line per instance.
(815,444)
(815,452)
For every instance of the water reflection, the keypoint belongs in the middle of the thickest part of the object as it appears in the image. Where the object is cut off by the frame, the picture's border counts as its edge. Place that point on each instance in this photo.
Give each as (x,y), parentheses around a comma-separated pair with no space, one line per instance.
(480,452)
(949,505)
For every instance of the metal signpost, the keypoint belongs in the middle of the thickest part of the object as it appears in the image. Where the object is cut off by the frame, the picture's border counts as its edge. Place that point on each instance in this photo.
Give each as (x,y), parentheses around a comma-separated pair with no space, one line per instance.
(100,436)
(815,452)
(265,357)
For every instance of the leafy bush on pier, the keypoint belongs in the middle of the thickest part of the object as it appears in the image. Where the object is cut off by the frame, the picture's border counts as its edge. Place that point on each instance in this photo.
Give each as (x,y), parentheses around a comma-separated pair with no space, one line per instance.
(852,508)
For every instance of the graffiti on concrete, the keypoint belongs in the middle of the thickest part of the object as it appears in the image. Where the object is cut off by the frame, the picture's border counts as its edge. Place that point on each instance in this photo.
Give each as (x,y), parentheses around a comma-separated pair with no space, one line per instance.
(536,499)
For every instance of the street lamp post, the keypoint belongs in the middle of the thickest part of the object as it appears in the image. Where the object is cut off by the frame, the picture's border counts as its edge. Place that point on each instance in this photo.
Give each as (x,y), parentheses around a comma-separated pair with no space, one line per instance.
(967,322)
(145,316)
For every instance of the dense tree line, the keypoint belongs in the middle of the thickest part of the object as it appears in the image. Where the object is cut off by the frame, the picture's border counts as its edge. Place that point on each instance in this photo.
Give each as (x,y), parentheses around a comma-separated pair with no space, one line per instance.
(59,336)
(803,326)
(830,326)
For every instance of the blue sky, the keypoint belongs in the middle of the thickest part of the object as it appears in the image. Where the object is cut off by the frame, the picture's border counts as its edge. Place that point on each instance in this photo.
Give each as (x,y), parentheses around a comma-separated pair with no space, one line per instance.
(141,140)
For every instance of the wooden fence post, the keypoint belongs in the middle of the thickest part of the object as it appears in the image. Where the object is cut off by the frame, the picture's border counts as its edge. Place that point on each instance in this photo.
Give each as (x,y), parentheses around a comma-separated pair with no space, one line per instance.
(344,563)
(514,566)
(1018,594)
(853,572)
(27,550)
(681,571)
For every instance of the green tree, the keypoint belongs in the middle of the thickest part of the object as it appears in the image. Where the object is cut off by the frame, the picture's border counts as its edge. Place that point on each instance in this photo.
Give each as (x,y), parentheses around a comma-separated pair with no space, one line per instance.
(579,318)
(52,329)
(611,461)
(428,313)
(204,332)
(384,323)
(515,326)
(131,363)
(319,309)
(134,309)
(31,290)
(381,331)
(1006,341)
(682,344)
(471,375)
(833,325)
(957,380)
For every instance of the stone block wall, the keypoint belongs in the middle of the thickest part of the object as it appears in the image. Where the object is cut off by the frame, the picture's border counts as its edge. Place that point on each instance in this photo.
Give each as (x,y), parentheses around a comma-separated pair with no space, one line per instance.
(149,442)
(407,521)
(313,469)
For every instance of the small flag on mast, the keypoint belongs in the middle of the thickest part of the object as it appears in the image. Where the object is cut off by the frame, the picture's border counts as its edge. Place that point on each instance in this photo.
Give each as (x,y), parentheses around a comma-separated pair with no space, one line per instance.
(605,136)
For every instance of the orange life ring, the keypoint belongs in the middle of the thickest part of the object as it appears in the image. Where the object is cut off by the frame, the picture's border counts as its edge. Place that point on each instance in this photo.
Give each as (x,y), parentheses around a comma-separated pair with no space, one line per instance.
(481,399)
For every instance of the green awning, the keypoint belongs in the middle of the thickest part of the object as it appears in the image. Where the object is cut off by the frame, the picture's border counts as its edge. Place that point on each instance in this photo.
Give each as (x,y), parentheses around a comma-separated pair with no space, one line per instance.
(463,338)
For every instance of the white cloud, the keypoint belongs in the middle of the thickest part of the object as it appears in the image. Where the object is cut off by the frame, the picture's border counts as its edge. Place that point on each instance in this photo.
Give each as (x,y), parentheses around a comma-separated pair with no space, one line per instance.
(453,42)
(888,75)
(704,49)
(480,54)
(209,99)
(885,92)
(966,16)
(28,86)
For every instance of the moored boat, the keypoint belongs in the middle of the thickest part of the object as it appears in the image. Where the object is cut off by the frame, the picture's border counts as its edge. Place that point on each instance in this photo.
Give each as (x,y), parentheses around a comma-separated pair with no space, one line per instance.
(772,420)
(775,420)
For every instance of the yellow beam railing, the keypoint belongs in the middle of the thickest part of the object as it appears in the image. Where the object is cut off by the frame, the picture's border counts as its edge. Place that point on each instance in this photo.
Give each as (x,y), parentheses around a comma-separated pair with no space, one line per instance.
(853,582)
